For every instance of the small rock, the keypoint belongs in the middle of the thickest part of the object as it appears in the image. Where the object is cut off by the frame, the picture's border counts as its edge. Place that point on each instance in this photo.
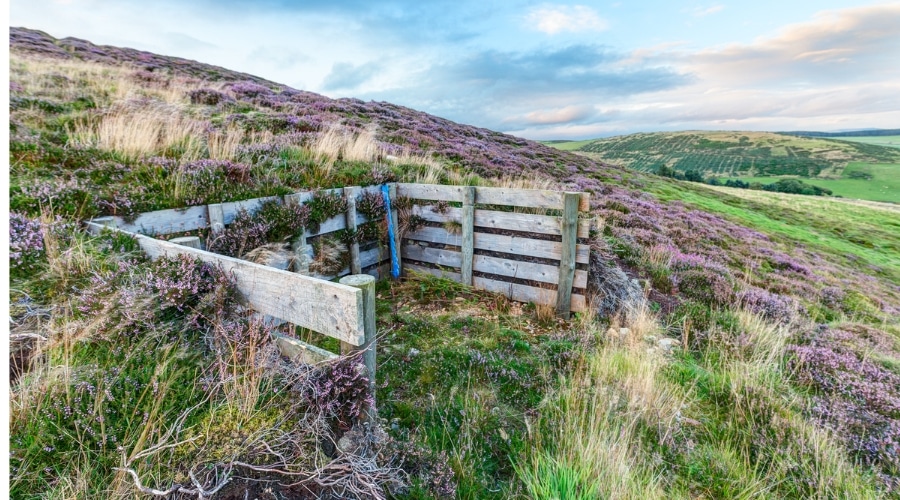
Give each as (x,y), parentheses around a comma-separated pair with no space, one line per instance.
(624,332)
(668,344)
(413,352)
(650,339)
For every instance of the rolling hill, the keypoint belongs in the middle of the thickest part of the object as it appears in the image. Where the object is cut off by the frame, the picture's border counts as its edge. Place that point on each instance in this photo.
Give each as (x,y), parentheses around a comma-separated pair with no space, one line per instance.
(740,345)
(863,168)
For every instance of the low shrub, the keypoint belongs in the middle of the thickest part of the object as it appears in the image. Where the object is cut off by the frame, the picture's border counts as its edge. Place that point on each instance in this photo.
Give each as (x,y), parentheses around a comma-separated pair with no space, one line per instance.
(706,286)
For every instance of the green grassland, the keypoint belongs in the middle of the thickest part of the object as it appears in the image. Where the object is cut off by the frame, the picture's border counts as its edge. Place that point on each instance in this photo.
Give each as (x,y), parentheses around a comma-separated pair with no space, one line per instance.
(866,236)
(730,153)
(760,157)
(891,141)
(568,145)
(881,182)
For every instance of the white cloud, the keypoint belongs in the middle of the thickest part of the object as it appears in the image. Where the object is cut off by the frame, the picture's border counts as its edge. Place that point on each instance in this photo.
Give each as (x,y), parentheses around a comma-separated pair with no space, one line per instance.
(553,19)
(705,11)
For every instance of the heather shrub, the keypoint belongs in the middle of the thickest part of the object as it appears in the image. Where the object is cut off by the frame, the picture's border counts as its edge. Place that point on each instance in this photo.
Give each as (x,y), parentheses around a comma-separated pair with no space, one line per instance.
(339,390)
(249,90)
(208,97)
(323,206)
(245,233)
(371,205)
(212,181)
(855,397)
(284,220)
(182,282)
(26,243)
(777,308)
(706,286)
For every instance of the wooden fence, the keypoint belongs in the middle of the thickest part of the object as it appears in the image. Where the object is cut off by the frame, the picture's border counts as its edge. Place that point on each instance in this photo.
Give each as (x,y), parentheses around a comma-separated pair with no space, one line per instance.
(344,310)
(526,256)
(217,216)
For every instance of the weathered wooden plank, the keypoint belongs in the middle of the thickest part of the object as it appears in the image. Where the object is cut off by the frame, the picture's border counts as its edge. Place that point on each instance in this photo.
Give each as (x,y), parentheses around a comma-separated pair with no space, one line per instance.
(569,228)
(188,241)
(468,234)
(434,192)
(297,350)
(165,221)
(331,225)
(525,293)
(509,221)
(493,265)
(528,198)
(520,293)
(328,308)
(350,194)
(501,243)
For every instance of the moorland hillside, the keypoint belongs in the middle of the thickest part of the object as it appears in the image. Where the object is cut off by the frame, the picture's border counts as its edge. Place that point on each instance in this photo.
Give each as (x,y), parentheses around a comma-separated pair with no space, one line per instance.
(737,347)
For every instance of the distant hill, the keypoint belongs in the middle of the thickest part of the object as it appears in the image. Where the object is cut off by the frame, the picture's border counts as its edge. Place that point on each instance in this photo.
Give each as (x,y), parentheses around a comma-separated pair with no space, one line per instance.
(755,154)
(849,133)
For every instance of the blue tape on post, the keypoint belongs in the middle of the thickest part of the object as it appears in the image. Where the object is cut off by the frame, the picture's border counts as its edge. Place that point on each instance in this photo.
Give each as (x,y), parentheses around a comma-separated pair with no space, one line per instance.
(395,261)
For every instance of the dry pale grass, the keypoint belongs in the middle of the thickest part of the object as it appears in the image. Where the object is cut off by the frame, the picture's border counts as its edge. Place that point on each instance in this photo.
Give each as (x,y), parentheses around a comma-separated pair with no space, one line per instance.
(222,144)
(68,79)
(145,129)
(337,142)
(598,416)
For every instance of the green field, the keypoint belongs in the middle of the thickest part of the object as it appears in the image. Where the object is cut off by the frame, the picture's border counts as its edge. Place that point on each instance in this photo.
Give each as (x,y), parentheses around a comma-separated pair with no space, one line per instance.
(568,145)
(761,157)
(891,141)
(884,184)
(868,235)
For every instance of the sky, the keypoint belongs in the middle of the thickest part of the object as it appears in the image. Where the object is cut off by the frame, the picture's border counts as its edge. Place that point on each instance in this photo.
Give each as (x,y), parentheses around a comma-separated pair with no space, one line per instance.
(540,70)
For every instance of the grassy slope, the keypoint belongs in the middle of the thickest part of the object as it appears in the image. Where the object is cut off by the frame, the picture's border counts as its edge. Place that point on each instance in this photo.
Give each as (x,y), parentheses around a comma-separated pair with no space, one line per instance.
(760,156)
(891,141)
(488,399)
(870,235)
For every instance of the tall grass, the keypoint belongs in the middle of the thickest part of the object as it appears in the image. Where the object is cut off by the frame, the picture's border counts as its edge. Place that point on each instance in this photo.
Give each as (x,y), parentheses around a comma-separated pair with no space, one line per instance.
(140,131)
(588,443)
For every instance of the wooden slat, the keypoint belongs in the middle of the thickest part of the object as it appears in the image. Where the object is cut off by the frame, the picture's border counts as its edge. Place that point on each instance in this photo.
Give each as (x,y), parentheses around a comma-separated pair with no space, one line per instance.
(331,225)
(329,308)
(528,198)
(165,221)
(500,243)
(433,192)
(492,265)
(509,221)
(297,350)
(520,293)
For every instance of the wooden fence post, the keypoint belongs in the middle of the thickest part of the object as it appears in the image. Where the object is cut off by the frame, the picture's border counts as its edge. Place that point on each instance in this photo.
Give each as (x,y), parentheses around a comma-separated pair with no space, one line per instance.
(350,196)
(467,220)
(216,217)
(365,283)
(569,230)
(302,251)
